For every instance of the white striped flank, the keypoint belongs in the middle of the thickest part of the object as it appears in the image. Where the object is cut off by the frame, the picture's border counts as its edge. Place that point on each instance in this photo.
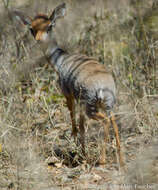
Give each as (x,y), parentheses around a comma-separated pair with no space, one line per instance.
(82,79)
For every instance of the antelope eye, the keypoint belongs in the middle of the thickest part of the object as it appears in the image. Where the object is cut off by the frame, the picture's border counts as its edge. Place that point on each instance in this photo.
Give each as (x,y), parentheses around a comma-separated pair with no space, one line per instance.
(49,28)
(32,32)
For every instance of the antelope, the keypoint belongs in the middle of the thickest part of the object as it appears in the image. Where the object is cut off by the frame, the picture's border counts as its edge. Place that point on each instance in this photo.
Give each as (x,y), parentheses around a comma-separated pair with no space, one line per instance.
(82,79)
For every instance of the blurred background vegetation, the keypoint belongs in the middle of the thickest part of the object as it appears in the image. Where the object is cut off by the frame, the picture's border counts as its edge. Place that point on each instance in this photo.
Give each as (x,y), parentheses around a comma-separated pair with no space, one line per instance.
(36,148)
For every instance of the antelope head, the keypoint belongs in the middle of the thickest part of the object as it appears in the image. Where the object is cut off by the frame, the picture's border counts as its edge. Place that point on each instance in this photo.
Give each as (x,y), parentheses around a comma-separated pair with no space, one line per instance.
(41,25)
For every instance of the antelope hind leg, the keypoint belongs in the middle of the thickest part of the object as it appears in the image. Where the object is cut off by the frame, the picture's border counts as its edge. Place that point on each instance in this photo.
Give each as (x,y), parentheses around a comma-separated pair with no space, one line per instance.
(106,124)
(117,139)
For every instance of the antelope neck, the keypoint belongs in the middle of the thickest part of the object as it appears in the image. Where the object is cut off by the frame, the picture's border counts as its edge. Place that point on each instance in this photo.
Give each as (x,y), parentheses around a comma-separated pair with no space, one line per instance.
(54,56)
(53,53)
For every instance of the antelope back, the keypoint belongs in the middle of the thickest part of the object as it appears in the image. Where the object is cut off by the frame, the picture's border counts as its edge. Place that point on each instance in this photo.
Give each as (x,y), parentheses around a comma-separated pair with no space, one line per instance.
(86,79)
(80,76)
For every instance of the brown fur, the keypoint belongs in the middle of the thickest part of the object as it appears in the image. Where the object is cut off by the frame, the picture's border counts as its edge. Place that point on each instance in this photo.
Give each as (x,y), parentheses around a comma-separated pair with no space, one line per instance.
(81,78)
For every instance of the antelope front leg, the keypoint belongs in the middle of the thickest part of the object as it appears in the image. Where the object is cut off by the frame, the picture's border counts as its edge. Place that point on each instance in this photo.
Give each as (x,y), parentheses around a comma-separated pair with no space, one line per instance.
(82,130)
(117,139)
(71,106)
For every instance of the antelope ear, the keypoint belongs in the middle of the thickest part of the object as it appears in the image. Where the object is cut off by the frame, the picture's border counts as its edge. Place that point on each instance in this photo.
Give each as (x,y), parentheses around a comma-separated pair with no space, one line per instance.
(58,12)
(22,17)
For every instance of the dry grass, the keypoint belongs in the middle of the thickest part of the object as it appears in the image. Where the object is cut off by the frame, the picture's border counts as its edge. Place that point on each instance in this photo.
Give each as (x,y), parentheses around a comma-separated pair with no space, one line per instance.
(144,171)
(36,148)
